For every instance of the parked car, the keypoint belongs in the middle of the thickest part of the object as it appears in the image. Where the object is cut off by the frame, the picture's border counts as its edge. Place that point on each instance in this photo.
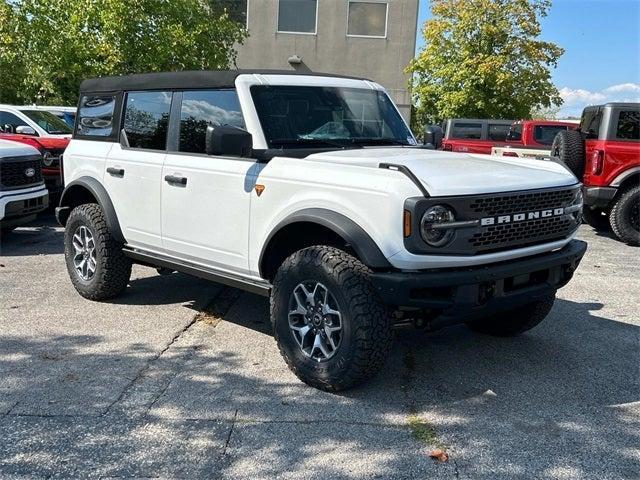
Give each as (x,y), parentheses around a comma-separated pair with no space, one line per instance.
(531,138)
(42,130)
(66,114)
(605,153)
(474,135)
(311,189)
(22,190)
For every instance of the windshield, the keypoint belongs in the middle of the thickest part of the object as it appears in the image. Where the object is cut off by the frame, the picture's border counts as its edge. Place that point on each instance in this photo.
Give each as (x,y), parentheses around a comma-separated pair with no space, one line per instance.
(48,122)
(336,117)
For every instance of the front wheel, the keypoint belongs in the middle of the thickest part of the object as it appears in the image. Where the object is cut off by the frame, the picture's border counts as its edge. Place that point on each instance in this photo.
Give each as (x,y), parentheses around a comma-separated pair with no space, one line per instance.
(516,321)
(97,267)
(331,328)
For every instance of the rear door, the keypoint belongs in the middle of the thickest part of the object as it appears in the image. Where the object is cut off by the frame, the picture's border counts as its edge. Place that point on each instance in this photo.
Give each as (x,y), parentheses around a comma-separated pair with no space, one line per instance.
(134,166)
(206,199)
(622,149)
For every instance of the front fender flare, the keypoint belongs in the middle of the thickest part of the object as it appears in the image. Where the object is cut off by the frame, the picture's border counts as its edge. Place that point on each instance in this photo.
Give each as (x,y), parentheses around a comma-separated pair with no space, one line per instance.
(364,246)
(97,190)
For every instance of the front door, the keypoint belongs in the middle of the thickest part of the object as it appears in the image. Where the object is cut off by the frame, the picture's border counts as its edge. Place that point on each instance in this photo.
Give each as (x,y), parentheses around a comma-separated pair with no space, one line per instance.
(206,199)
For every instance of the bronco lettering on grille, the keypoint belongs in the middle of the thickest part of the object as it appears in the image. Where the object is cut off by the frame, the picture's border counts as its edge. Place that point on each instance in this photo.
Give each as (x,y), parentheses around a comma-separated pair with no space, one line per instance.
(521,217)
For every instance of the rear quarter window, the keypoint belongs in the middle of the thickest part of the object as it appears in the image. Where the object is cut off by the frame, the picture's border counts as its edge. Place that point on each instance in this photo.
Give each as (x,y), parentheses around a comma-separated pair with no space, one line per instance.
(544,134)
(498,133)
(628,127)
(466,131)
(95,116)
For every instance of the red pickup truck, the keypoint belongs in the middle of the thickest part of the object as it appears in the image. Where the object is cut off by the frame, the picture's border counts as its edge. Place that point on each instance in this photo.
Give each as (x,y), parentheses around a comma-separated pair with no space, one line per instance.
(501,137)
(605,153)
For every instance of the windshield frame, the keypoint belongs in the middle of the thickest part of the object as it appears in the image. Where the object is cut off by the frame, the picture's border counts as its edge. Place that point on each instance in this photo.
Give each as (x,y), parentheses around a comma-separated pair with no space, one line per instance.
(50,119)
(391,121)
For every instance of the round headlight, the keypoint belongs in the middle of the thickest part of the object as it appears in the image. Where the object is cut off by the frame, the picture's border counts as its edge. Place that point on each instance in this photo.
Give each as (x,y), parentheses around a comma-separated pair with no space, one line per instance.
(432,225)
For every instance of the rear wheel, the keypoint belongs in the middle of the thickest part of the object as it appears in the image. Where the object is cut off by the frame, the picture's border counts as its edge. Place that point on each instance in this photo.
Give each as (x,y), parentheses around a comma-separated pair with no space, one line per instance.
(596,218)
(625,216)
(331,327)
(97,267)
(516,321)
(568,147)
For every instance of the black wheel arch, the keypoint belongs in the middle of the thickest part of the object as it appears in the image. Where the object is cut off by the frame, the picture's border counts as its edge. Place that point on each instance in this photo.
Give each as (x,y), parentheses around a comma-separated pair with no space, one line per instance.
(318,220)
(89,190)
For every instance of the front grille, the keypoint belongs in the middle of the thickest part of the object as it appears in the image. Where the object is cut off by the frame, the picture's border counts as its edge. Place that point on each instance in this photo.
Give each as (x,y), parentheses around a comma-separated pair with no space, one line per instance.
(13,172)
(529,232)
(522,202)
(501,236)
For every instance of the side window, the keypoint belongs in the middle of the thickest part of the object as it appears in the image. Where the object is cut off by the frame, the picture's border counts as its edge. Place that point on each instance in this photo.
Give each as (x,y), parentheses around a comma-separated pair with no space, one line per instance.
(467,130)
(146,119)
(95,115)
(498,132)
(544,134)
(590,122)
(9,122)
(628,127)
(201,108)
(515,132)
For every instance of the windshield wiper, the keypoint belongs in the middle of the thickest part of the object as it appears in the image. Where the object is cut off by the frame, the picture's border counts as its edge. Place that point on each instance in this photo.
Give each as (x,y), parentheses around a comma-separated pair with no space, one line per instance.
(319,141)
(379,141)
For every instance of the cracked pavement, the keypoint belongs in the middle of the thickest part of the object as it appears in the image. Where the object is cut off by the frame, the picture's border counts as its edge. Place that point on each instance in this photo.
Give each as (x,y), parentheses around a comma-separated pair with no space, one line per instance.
(145,386)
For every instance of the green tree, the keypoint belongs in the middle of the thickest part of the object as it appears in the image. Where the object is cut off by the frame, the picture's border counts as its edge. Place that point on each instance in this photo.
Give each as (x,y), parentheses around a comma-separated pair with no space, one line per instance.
(48,46)
(484,59)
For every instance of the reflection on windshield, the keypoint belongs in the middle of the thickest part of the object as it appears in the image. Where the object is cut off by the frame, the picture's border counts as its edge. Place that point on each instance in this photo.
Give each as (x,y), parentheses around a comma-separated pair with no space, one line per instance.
(48,122)
(300,116)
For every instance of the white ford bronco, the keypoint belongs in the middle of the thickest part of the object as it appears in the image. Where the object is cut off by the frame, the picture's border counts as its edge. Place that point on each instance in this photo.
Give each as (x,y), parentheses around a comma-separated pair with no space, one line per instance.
(311,189)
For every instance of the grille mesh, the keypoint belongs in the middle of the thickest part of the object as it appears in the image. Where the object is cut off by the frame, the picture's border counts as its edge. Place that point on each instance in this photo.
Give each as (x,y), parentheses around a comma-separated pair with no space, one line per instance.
(523,202)
(12,174)
(527,232)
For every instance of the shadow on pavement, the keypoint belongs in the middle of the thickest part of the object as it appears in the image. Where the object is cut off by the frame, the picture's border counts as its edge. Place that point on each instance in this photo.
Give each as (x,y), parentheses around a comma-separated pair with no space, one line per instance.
(549,402)
(43,236)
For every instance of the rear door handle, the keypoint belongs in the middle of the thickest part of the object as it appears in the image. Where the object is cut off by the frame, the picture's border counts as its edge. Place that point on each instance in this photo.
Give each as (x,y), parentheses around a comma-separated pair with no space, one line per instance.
(117,172)
(174,180)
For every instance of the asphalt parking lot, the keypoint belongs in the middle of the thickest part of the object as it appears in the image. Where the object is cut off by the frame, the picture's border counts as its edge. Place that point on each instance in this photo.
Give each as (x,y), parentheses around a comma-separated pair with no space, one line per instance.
(180,378)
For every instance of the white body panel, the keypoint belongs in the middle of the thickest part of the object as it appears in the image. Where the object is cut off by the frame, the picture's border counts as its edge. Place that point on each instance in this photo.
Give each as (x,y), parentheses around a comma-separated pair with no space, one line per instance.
(523,152)
(218,219)
(207,220)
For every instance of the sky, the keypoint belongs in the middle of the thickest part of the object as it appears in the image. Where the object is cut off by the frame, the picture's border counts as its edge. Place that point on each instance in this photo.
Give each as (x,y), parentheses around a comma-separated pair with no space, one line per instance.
(601,39)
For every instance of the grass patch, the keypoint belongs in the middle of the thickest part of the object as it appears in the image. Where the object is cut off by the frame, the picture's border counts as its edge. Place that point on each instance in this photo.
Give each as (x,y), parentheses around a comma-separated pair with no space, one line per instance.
(424,432)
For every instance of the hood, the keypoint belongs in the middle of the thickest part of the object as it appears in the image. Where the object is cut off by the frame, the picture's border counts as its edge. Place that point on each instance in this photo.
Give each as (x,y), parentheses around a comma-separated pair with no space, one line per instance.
(41,143)
(15,149)
(447,173)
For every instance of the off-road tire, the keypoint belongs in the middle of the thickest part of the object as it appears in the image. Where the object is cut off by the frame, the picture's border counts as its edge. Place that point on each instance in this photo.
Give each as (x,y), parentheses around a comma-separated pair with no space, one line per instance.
(367,333)
(516,321)
(597,219)
(113,269)
(625,216)
(568,148)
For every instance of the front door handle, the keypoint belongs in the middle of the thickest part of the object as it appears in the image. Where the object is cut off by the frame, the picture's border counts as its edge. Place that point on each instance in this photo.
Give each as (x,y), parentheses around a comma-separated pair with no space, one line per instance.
(174,180)
(117,172)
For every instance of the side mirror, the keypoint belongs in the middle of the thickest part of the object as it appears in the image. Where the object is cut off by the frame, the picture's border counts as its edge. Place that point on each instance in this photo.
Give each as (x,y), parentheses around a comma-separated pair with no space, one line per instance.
(433,136)
(228,140)
(25,130)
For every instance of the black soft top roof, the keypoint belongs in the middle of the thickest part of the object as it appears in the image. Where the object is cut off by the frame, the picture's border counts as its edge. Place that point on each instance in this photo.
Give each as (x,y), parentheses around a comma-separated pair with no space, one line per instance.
(182,80)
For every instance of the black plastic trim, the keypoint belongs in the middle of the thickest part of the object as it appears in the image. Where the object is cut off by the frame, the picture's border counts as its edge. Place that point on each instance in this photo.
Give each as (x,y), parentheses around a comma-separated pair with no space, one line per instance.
(461,286)
(152,259)
(599,197)
(407,171)
(364,246)
(100,194)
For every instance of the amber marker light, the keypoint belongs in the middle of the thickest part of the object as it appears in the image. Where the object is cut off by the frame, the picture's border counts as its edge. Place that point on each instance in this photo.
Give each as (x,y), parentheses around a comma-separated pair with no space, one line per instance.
(407,223)
(259,189)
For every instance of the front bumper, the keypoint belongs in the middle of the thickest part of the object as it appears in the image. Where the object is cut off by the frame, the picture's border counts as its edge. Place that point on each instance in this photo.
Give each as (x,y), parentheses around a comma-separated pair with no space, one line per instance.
(598,197)
(461,294)
(18,208)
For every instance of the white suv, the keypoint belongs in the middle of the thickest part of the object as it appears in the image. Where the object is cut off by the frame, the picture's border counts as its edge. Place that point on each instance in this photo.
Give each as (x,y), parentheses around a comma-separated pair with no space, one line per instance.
(311,189)
(22,190)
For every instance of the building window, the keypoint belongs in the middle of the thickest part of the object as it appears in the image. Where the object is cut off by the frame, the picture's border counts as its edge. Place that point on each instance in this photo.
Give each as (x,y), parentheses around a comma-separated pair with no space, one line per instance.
(146,119)
(201,108)
(297,16)
(236,9)
(367,19)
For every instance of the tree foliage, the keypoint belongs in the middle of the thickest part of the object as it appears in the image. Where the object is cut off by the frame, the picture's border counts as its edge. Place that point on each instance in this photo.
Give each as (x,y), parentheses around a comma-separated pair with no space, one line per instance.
(484,59)
(48,46)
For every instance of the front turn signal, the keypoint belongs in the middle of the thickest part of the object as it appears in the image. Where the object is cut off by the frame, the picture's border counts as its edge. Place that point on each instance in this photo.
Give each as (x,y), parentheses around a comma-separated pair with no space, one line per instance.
(406,222)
